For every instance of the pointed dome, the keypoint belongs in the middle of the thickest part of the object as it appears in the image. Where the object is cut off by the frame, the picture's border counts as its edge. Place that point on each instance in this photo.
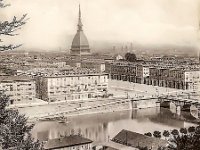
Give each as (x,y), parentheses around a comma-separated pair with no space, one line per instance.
(80,41)
(80,45)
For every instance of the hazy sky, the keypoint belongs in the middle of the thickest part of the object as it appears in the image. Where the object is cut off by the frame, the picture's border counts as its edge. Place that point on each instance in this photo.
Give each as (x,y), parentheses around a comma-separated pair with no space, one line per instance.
(53,23)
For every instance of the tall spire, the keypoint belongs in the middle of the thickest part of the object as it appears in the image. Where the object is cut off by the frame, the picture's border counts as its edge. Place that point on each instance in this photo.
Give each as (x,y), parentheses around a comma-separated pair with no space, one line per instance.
(80,45)
(80,25)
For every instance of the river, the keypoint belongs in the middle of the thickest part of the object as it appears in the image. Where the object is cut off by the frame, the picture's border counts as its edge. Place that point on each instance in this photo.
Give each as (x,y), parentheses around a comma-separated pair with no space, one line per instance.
(104,126)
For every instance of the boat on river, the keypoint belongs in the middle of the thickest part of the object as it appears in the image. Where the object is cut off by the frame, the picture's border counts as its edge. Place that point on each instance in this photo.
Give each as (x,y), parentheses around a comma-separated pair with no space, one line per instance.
(63,119)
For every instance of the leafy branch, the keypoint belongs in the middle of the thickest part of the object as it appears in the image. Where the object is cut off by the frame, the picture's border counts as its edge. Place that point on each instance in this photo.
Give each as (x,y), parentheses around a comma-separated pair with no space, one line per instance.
(8,28)
(9,47)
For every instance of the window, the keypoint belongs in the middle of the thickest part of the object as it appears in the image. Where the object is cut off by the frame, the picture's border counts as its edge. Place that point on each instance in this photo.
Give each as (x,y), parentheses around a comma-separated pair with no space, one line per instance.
(11,102)
(11,88)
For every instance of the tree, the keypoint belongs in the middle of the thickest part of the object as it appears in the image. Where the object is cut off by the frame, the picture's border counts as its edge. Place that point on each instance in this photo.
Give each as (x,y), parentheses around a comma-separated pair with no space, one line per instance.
(131,57)
(183,130)
(185,140)
(8,28)
(191,129)
(148,134)
(175,132)
(157,134)
(166,133)
(14,130)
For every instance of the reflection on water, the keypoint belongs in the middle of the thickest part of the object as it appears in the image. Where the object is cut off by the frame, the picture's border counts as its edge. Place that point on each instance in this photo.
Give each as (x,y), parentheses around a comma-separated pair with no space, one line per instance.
(101,127)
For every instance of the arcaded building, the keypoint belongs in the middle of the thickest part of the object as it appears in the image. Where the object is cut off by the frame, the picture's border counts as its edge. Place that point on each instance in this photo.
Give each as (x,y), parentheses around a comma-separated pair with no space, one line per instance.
(80,45)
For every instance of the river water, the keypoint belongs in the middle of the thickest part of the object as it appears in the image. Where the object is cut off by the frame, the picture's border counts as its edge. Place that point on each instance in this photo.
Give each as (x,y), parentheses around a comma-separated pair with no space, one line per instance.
(104,126)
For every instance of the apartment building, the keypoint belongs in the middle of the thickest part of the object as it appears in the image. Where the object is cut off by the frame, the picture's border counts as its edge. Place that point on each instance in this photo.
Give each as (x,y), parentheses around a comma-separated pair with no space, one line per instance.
(192,79)
(172,76)
(21,89)
(97,65)
(71,86)
(121,71)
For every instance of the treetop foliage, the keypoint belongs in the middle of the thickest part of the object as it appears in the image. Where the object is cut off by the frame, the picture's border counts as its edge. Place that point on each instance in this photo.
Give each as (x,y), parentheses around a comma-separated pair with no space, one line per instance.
(8,28)
(183,139)
(131,57)
(14,129)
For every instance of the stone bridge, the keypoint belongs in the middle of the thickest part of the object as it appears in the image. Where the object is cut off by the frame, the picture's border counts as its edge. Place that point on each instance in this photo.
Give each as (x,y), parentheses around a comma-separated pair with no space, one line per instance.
(177,105)
(174,103)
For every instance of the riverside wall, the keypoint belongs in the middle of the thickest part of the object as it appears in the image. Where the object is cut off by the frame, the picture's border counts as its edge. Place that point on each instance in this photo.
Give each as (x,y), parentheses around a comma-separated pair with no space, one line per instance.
(103,106)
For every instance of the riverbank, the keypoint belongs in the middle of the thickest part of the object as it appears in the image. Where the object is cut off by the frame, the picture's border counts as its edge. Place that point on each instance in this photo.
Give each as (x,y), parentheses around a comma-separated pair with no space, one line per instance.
(121,91)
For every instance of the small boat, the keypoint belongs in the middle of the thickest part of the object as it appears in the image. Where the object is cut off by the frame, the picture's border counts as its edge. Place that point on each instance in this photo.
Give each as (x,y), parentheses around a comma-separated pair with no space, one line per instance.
(46,119)
(63,120)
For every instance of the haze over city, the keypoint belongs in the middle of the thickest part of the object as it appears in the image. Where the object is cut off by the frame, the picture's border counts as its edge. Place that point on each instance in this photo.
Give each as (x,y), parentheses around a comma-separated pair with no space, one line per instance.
(52,24)
(100,74)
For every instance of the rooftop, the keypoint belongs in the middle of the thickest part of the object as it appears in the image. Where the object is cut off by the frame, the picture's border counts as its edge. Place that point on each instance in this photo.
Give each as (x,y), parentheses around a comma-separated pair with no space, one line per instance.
(68,141)
(15,78)
(64,72)
(134,139)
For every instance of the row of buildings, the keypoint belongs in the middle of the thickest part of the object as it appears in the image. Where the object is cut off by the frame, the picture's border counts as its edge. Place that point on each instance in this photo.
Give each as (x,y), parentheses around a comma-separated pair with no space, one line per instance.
(172,76)
(85,78)
(54,86)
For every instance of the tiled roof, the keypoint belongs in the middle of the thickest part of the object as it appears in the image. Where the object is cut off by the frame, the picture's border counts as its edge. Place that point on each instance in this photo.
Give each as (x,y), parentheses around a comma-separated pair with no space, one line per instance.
(136,139)
(68,141)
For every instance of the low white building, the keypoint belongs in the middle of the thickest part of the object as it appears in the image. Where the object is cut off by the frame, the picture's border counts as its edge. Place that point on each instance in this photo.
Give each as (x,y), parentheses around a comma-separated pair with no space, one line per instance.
(118,57)
(21,89)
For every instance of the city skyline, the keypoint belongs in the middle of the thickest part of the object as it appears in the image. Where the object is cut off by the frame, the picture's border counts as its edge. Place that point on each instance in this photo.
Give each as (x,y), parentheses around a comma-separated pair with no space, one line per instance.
(52,25)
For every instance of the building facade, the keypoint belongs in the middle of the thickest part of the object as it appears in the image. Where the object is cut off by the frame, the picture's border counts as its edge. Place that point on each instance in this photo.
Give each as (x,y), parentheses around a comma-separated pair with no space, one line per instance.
(97,65)
(192,80)
(21,89)
(157,75)
(71,86)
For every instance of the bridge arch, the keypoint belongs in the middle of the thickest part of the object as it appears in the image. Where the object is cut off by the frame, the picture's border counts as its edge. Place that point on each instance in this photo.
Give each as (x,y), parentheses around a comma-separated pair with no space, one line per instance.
(170,105)
(194,111)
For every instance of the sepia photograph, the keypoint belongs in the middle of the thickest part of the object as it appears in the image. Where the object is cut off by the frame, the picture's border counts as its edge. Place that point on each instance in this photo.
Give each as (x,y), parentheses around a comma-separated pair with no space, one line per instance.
(99,74)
